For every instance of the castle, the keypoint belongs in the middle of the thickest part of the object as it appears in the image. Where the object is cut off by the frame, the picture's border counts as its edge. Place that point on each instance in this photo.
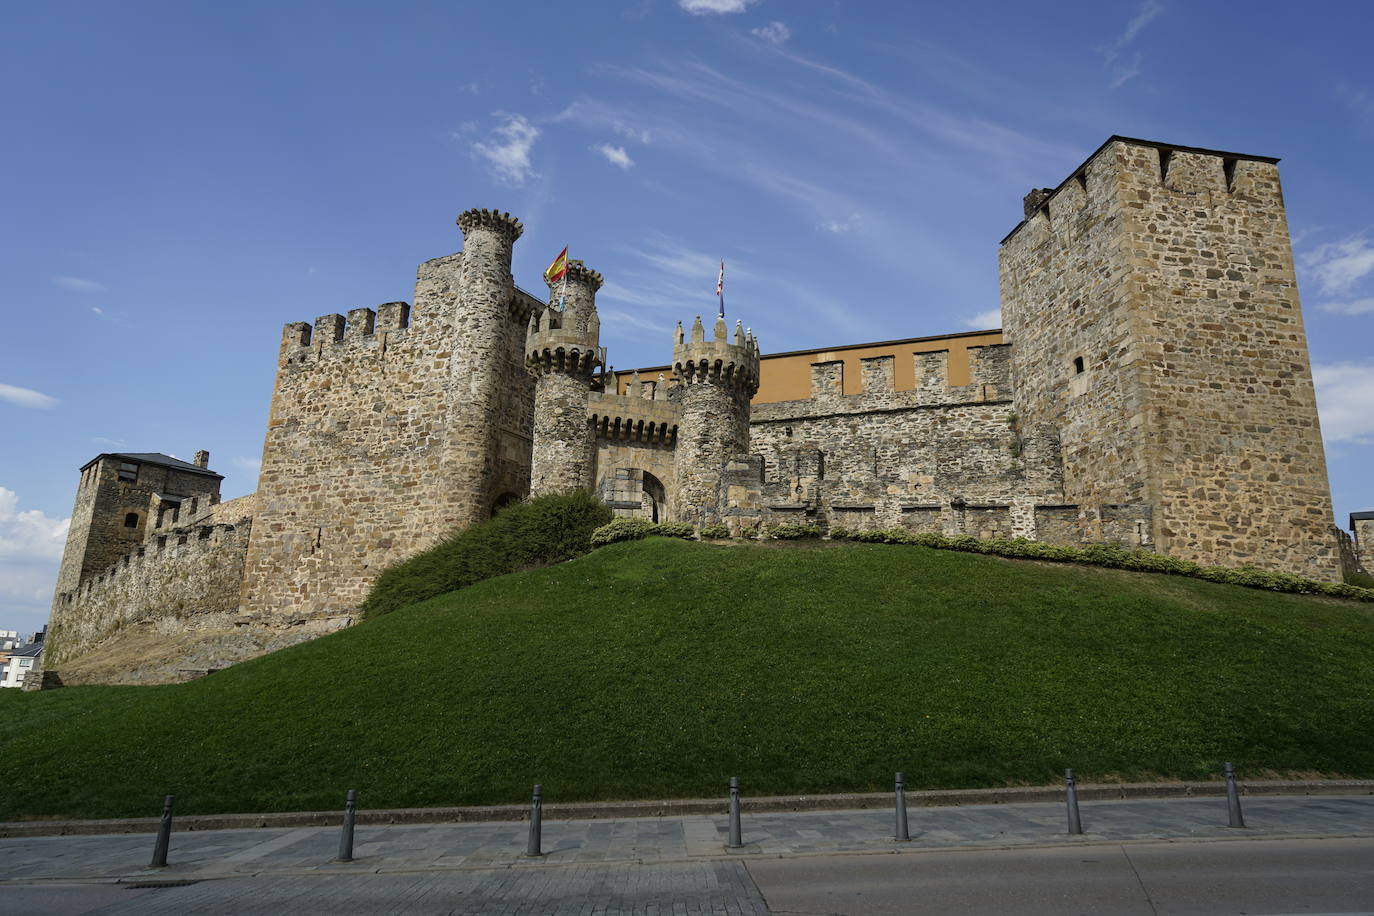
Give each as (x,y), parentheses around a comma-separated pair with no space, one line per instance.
(1150,387)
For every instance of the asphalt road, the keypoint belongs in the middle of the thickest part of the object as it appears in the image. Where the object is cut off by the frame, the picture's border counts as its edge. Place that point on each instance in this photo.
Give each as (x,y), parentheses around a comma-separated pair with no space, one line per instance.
(1329,876)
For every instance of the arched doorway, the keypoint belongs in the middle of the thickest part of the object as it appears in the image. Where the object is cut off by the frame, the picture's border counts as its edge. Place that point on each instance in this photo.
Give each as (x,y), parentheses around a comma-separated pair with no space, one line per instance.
(655,497)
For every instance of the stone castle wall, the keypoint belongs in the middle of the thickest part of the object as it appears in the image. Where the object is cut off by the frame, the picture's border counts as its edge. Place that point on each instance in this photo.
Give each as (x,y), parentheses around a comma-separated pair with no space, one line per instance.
(636,433)
(188,573)
(1153,314)
(370,452)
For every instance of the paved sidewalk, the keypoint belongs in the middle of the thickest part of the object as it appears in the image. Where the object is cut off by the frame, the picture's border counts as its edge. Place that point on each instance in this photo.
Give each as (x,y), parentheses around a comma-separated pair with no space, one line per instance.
(303,851)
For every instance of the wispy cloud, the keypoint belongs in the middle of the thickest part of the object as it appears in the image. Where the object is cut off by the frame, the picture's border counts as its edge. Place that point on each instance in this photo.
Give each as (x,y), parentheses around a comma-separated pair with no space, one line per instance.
(1123,70)
(508,150)
(840,226)
(715,7)
(79,284)
(112,443)
(1338,266)
(1360,99)
(251,465)
(1344,392)
(1356,307)
(984,321)
(773,33)
(615,155)
(27,397)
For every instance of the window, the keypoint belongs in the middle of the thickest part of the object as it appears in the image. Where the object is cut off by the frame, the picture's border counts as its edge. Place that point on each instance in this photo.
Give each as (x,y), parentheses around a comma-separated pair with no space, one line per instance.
(128,472)
(131,520)
(1078,365)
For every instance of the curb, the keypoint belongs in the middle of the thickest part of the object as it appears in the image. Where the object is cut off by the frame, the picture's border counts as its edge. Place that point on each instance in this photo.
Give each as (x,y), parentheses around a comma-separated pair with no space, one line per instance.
(687,807)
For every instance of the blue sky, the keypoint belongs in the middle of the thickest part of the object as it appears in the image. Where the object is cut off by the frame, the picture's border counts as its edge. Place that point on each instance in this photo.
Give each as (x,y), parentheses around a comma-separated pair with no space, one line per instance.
(181,179)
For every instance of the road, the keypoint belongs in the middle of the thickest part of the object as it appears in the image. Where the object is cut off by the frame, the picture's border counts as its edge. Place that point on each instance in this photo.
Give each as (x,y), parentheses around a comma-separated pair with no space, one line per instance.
(1252,877)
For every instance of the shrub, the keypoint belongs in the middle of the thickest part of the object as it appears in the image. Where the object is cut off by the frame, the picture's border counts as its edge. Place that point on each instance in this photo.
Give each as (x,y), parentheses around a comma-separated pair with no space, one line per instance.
(1359,579)
(716,531)
(632,529)
(792,532)
(1109,555)
(526,535)
(621,529)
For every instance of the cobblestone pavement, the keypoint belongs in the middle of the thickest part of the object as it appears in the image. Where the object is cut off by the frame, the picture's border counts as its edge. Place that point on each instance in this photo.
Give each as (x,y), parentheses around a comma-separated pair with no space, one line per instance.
(641,865)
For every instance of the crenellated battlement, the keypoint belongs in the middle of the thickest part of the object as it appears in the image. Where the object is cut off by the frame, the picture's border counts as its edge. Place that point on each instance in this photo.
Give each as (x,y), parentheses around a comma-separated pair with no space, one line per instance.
(719,360)
(1115,174)
(302,342)
(579,272)
(496,220)
(627,417)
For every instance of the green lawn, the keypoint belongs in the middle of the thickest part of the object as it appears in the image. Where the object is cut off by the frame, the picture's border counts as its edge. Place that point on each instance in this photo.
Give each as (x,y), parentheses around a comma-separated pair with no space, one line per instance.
(660,668)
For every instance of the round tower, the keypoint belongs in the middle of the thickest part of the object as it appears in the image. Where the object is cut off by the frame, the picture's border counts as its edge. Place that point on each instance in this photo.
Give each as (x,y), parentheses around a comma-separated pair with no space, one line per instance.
(561,349)
(717,377)
(486,335)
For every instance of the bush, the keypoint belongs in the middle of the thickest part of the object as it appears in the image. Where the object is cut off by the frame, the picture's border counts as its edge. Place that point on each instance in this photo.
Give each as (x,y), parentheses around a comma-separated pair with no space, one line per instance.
(1359,579)
(716,531)
(621,529)
(1112,556)
(632,529)
(792,532)
(535,533)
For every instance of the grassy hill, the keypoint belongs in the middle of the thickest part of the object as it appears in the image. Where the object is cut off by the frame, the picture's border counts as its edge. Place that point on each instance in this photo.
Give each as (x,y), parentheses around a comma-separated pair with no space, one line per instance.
(659,668)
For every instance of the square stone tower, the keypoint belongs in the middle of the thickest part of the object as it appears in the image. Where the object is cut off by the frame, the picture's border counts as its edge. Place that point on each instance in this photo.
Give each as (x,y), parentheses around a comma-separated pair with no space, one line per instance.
(1153,313)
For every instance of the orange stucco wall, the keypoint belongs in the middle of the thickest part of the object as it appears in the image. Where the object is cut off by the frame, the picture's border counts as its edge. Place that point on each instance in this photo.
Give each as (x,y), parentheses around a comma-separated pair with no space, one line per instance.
(787,376)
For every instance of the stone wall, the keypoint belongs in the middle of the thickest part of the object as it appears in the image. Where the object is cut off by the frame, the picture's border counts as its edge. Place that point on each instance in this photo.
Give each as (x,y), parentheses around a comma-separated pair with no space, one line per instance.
(98,535)
(184,574)
(936,457)
(636,435)
(387,430)
(1153,313)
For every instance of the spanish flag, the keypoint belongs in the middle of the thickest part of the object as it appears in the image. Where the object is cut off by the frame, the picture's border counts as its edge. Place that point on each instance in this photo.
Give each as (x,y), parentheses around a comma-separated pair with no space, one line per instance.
(558,268)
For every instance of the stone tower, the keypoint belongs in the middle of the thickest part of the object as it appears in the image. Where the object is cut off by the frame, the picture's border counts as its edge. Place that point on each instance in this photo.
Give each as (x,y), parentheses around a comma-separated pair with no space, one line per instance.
(488,328)
(1153,313)
(717,378)
(562,350)
(110,516)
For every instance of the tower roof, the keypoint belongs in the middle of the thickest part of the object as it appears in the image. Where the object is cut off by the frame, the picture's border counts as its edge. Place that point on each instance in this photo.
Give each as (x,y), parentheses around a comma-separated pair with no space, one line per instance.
(166,461)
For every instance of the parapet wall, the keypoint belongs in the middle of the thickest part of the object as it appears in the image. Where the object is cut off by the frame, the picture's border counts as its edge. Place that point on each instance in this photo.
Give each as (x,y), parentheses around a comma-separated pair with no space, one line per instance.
(192,574)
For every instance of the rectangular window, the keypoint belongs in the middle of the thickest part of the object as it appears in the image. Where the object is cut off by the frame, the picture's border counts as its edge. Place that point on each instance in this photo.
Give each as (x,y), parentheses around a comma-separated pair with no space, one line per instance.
(128,472)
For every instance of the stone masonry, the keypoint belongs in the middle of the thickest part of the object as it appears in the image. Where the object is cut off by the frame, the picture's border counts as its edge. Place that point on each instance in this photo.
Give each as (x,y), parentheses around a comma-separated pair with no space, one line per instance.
(1152,310)
(1152,390)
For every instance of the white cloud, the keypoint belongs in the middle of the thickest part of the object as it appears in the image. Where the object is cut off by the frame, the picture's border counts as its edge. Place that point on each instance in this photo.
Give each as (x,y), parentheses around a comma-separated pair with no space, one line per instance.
(1111,53)
(27,397)
(1357,307)
(615,155)
(29,535)
(984,321)
(1339,265)
(713,7)
(113,443)
(97,309)
(1345,400)
(840,226)
(79,284)
(252,465)
(774,32)
(509,151)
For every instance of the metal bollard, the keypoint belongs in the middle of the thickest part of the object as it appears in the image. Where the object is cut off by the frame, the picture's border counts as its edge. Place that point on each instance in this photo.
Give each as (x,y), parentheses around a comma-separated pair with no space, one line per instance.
(902,833)
(164,835)
(535,846)
(1233,799)
(346,837)
(736,839)
(1071,798)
